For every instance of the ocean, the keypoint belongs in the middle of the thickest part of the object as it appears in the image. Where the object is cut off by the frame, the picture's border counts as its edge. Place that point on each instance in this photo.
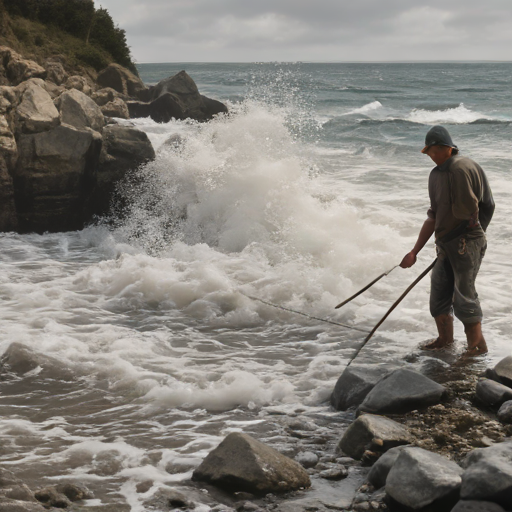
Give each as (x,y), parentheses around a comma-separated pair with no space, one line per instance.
(311,187)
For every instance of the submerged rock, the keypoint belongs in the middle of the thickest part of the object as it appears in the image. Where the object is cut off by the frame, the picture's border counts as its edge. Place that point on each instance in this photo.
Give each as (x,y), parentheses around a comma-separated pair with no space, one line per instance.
(241,463)
(419,478)
(402,391)
(374,433)
(353,386)
(493,393)
(488,474)
(307,459)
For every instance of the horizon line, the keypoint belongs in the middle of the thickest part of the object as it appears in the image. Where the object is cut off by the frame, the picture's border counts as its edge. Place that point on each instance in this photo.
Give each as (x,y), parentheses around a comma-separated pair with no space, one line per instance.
(480,61)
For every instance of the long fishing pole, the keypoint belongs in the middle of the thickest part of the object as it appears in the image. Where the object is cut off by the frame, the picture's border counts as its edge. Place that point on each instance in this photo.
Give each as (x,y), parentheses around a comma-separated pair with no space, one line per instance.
(410,287)
(365,288)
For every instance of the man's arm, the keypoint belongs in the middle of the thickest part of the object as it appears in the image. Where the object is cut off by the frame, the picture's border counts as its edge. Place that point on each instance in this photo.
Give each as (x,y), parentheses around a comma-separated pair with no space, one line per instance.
(426,232)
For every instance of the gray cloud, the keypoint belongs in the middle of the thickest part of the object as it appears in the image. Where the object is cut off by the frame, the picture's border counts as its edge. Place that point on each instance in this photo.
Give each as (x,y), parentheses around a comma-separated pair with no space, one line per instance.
(325,30)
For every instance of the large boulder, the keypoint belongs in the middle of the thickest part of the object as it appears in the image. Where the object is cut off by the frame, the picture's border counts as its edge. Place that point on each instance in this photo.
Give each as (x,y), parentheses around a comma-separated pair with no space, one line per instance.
(380,470)
(167,107)
(401,391)
(80,83)
(124,150)
(493,393)
(477,506)
(54,177)
(420,478)
(374,433)
(36,111)
(503,370)
(19,69)
(354,384)
(488,474)
(505,412)
(55,72)
(241,463)
(116,108)
(80,111)
(121,80)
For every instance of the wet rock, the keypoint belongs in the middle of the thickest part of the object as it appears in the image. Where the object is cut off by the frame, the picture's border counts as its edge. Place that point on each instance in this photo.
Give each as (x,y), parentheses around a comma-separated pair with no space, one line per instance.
(55,72)
(503,371)
(419,478)
(247,506)
(121,80)
(8,505)
(54,178)
(402,391)
(240,463)
(167,107)
(307,459)
(19,359)
(8,478)
(138,109)
(8,217)
(380,470)
(488,474)
(19,492)
(36,111)
(75,492)
(52,498)
(80,83)
(493,393)
(353,386)
(116,108)
(169,499)
(78,110)
(143,487)
(371,432)
(337,473)
(505,412)
(477,506)
(124,150)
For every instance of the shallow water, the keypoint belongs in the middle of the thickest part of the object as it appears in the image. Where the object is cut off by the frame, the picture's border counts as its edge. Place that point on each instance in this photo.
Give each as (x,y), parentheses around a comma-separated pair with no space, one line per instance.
(312,187)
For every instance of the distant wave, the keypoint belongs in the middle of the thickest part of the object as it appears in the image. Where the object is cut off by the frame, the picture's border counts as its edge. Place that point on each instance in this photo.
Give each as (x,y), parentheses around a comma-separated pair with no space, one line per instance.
(457,115)
(369,107)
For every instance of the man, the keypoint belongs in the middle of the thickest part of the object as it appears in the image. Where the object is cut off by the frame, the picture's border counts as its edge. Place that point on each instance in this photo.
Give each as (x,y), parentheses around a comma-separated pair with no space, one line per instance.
(461,208)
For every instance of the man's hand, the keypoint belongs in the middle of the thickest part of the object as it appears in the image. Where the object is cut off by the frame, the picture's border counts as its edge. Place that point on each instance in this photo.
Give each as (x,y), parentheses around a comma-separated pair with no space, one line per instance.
(409,260)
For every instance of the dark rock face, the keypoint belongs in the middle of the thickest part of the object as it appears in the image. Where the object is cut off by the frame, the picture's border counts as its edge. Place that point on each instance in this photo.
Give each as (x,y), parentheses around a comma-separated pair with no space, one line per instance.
(54,177)
(402,391)
(121,80)
(124,149)
(505,412)
(419,478)
(493,393)
(240,463)
(353,386)
(166,107)
(8,217)
(488,475)
(374,433)
(380,470)
(477,506)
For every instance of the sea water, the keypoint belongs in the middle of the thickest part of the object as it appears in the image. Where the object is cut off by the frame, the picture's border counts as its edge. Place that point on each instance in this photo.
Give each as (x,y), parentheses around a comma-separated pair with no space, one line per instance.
(311,187)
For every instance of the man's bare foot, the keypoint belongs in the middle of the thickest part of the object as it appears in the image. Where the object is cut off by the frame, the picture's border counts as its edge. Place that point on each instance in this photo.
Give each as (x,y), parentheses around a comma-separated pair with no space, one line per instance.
(477,350)
(437,344)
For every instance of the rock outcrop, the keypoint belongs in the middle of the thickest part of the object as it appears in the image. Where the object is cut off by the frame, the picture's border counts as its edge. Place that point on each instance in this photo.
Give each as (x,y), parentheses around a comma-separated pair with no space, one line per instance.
(80,111)
(123,81)
(241,463)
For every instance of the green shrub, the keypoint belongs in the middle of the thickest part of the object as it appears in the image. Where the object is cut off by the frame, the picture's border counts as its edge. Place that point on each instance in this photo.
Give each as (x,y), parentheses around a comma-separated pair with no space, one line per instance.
(21,33)
(92,57)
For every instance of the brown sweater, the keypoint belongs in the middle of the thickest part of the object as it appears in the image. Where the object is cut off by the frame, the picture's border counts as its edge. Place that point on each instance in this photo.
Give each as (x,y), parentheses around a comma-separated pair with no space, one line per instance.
(459,195)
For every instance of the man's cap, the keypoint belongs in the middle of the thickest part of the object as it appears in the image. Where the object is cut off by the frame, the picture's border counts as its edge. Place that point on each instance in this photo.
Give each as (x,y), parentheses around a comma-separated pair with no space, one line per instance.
(438,136)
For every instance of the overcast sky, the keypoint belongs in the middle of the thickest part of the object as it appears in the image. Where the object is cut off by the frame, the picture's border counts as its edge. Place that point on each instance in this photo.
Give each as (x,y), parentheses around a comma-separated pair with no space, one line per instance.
(314,30)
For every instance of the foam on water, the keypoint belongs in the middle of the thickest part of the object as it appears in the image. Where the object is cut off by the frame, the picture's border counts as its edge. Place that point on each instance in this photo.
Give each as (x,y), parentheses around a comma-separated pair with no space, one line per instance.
(457,115)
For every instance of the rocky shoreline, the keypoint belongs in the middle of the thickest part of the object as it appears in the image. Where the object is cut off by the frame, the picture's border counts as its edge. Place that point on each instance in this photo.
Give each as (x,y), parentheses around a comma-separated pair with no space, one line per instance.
(62,151)
(451,453)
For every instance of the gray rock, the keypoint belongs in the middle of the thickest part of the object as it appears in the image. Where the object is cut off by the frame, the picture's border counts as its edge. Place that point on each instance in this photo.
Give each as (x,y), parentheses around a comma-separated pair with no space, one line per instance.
(165,499)
(247,506)
(488,474)
(122,80)
(54,178)
(19,69)
(375,433)
(337,473)
(36,111)
(80,83)
(19,359)
(307,459)
(116,108)
(52,498)
(402,391)
(493,393)
(80,111)
(503,370)
(19,492)
(419,478)
(505,412)
(477,506)
(240,463)
(380,470)
(353,386)
(75,492)
(8,505)
(55,72)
